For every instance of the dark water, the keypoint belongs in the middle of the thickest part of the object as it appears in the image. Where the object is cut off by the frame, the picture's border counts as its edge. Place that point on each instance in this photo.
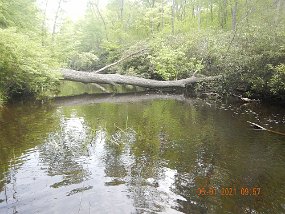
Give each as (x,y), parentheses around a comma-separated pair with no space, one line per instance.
(141,154)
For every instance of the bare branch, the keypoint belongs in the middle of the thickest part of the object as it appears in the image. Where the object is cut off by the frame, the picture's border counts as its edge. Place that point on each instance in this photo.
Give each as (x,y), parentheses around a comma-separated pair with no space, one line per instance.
(117,62)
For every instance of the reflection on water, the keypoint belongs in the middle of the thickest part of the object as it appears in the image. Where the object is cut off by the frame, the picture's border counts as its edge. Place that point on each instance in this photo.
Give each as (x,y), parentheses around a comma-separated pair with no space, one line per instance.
(143,154)
(69,88)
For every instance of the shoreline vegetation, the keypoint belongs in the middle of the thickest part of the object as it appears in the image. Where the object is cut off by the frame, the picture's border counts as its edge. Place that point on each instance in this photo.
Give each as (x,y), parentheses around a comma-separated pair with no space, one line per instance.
(243,41)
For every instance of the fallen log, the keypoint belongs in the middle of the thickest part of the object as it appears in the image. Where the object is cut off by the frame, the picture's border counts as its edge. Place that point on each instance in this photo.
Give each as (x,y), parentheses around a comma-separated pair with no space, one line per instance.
(259,127)
(93,77)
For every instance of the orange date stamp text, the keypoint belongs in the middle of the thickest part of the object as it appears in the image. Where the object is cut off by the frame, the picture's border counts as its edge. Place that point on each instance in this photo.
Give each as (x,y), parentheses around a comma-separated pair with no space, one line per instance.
(228,191)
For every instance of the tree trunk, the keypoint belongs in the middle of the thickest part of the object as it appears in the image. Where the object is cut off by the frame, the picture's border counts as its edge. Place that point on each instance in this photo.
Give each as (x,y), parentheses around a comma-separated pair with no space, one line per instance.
(247,11)
(101,17)
(211,10)
(278,10)
(44,23)
(162,15)
(234,16)
(151,24)
(199,17)
(151,19)
(55,19)
(172,16)
(223,13)
(91,77)
(120,60)
(122,9)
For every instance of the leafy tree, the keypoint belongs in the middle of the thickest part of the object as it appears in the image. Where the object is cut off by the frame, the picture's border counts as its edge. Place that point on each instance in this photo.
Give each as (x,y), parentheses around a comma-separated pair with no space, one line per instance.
(22,14)
(24,65)
(240,39)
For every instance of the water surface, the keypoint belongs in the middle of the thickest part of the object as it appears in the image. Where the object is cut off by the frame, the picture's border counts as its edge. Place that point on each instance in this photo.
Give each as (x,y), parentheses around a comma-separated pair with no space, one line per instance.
(147,153)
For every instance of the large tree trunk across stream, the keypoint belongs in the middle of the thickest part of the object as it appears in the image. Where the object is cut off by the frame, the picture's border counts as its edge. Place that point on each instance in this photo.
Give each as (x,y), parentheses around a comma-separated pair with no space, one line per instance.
(93,77)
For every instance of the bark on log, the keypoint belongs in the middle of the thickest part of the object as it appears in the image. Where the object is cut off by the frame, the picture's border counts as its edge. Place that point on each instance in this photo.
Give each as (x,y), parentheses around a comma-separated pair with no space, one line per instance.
(89,77)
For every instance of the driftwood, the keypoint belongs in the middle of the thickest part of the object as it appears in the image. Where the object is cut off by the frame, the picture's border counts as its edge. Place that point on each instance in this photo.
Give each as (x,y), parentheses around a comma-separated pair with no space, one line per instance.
(93,77)
(259,127)
(256,126)
(245,99)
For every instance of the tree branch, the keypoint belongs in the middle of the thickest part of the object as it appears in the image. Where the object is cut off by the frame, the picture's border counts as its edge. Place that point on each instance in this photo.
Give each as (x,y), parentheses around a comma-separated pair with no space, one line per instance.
(117,62)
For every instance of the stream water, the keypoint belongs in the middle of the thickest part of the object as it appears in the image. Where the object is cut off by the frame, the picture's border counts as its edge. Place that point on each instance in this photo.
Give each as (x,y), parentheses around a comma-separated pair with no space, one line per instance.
(144,153)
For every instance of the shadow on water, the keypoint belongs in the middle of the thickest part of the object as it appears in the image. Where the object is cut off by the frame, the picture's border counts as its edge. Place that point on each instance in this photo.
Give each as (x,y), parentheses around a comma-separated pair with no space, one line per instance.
(146,153)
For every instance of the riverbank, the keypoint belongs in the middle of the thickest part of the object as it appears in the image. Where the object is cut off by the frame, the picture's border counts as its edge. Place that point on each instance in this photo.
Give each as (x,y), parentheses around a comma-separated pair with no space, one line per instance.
(249,53)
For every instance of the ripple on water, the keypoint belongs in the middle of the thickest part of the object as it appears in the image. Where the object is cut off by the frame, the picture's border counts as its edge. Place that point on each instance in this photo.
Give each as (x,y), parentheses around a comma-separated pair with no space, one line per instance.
(143,157)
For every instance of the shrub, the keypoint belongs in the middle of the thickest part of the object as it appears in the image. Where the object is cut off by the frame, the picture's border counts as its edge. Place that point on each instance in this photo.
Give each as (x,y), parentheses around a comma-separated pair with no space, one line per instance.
(24,65)
(277,81)
(173,64)
(83,61)
(162,59)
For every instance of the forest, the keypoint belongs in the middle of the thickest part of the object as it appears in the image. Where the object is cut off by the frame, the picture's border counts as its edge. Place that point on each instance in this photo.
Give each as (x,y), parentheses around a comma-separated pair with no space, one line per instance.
(242,41)
(142,106)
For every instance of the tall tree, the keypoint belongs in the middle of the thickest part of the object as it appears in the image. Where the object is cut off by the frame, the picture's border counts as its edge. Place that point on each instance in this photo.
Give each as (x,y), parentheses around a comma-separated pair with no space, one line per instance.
(122,9)
(172,16)
(19,13)
(234,15)
(57,14)
(96,5)
(280,7)
(44,22)
(223,12)
(162,14)
(211,10)
(199,15)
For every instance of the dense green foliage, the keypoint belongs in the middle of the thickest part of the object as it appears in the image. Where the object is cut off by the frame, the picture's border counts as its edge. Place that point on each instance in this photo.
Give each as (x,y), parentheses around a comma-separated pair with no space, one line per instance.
(25,66)
(22,14)
(240,39)
(2,98)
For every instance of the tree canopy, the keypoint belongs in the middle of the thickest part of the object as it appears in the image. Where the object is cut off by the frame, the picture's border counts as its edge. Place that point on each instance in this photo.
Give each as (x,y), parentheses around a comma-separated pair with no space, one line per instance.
(243,40)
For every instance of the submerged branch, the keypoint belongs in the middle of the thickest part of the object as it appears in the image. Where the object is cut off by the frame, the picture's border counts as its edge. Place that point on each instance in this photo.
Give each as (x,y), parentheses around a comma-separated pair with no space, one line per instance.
(259,127)
(101,88)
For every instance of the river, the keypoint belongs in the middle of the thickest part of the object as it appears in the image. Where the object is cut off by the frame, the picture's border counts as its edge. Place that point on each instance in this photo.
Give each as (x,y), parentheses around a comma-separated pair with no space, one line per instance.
(142,153)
